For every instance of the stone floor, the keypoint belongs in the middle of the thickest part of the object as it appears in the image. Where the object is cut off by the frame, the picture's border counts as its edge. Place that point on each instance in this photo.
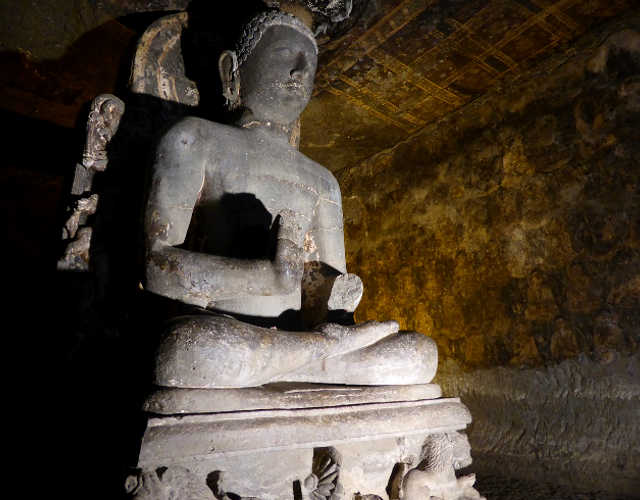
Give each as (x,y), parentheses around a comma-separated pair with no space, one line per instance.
(499,488)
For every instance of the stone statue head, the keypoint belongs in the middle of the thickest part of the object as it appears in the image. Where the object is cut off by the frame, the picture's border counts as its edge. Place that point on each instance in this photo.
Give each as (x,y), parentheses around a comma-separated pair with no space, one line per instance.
(271,72)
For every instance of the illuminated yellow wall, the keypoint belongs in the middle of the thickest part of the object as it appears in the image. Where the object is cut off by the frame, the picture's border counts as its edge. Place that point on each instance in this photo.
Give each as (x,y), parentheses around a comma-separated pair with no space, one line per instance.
(510,231)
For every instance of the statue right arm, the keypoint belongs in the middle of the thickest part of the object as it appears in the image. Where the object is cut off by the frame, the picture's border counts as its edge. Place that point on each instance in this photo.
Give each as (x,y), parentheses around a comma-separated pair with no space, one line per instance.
(196,278)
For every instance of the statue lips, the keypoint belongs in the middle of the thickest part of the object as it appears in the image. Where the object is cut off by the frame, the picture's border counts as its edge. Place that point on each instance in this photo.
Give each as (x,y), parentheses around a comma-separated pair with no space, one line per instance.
(293,86)
(292,93)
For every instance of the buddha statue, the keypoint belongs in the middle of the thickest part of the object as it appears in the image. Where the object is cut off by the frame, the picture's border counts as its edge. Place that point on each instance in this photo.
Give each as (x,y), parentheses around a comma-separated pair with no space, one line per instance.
(246,232)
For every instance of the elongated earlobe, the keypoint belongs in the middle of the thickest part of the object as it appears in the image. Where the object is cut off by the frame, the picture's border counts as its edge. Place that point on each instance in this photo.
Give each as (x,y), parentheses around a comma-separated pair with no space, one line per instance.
(229,75)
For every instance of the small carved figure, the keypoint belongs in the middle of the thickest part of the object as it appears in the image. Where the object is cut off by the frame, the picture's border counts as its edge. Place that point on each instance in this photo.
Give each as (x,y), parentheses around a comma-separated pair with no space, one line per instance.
(104,119)
(84,207)
(76,253)
(435,476)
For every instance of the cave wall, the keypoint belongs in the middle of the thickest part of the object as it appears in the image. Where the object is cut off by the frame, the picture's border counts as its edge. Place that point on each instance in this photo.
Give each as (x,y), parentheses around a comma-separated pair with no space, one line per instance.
(573,424)
(509,231)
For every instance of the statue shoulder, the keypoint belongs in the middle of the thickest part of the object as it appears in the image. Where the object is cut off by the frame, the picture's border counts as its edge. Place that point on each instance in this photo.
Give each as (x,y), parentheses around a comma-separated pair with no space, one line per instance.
(327,182)
(193,135)
(184,150)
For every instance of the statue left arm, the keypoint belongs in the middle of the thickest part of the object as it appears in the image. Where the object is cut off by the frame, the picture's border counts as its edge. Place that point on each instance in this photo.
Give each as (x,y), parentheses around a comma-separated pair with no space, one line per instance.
(327,286)
(325,240)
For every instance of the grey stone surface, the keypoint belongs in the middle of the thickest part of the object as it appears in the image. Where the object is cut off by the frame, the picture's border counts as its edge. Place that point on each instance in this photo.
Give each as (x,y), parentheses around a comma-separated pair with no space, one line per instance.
(210,351)
(406,358)
(346,293)
(262,475)
(263,453)
(172,401)
(241,225)
(575,424)
(168,439)
(236,217)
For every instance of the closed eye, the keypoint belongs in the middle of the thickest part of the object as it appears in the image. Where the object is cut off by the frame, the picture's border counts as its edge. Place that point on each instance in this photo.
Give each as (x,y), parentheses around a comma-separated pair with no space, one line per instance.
(283,52)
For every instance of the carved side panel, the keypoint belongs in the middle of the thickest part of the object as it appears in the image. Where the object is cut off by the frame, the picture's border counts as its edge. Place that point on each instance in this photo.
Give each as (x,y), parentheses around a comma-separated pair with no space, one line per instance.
(104,119)
(102,124)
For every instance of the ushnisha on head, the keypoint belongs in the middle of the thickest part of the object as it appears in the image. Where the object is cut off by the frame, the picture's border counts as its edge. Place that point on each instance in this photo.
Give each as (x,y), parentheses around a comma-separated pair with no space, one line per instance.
(255,29)
(270,74)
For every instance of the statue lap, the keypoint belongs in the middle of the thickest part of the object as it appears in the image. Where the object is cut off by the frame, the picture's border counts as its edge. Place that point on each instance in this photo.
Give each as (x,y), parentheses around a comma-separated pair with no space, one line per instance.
(241,198)
(215,351)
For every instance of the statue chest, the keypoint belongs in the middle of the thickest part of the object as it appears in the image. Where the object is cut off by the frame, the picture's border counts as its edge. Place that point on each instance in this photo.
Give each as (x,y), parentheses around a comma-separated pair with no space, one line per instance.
(238,207)
(276,181)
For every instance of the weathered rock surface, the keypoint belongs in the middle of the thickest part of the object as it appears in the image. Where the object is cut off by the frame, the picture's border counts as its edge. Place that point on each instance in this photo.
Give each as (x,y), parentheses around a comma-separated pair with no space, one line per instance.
(332,451)
(509,231)
(171,401)
(513,240)
(573,424)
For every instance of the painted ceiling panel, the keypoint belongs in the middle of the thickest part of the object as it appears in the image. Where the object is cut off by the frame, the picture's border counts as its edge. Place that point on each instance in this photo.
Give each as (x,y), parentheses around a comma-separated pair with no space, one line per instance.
(418,60)
(394,66)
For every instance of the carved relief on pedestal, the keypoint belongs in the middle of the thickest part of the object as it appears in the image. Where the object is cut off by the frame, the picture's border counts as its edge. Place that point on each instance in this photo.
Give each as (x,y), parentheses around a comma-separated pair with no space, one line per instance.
(322,483)
(215,481)
(167,483)
(434,476)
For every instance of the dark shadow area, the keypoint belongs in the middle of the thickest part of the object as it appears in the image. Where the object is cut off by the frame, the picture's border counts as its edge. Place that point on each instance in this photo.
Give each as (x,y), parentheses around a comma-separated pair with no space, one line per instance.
(213,28)
(56,90)
(107,326)
(95,333)
(31,188)
(239,226)
(498,487)
(215,482)
(30,140)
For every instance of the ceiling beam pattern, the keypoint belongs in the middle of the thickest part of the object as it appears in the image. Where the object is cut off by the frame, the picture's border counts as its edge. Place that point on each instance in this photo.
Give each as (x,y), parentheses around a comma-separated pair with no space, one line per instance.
(425,58)
(375,36)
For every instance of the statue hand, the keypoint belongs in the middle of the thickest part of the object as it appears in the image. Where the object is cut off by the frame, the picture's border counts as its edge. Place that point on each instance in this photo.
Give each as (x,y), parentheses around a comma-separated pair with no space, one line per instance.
(289,258)
(346,293)
(351,338)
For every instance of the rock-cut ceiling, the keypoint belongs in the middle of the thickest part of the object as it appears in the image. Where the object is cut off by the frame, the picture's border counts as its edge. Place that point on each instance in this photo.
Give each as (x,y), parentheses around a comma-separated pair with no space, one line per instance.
(418,60)
(387,67)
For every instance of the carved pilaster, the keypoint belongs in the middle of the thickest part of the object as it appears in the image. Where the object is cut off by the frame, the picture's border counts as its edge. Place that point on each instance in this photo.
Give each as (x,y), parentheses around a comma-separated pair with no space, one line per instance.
(102,124)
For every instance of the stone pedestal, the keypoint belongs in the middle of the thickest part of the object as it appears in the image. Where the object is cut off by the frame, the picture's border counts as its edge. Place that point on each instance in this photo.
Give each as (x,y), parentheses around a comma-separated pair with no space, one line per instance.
(300,441)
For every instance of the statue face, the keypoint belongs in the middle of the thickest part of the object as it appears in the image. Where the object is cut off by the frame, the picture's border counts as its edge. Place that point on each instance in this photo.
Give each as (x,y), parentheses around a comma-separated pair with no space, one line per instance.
(276,80)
